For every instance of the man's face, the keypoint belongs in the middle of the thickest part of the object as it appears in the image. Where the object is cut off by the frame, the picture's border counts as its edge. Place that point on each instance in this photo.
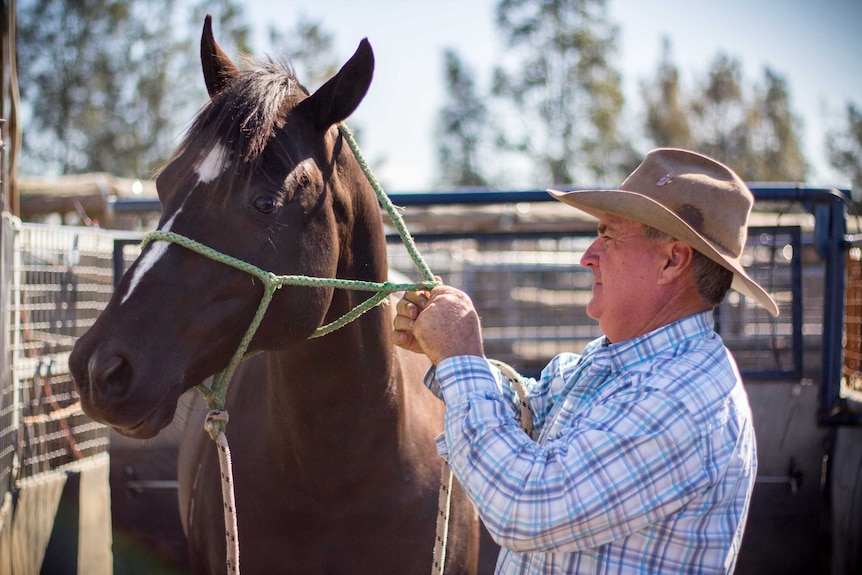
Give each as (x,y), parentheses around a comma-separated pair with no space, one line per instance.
(625,266)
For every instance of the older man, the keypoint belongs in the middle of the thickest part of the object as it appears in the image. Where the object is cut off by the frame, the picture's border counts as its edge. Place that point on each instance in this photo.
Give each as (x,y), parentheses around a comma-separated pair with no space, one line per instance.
(644,458)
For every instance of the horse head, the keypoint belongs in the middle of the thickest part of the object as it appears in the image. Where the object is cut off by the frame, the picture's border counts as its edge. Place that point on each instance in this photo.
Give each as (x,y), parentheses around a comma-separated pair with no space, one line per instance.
(263,175)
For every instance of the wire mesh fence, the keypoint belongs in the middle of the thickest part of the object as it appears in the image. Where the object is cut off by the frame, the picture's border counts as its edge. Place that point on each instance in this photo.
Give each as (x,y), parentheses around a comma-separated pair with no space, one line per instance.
(57,280)
(853,322)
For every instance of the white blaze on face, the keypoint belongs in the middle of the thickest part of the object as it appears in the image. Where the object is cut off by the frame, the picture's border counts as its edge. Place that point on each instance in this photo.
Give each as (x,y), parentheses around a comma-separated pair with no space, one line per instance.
(207,170)
(213,164)
(157,249)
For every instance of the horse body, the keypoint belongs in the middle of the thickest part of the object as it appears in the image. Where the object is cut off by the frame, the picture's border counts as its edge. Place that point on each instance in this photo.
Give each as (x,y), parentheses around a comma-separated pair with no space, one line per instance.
(334,461)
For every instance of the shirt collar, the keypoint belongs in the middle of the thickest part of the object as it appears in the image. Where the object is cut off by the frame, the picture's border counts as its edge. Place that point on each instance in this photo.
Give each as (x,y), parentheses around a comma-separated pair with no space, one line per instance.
(627,354)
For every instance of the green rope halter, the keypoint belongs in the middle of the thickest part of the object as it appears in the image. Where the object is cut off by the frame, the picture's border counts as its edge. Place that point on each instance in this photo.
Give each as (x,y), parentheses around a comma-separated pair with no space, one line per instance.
(216,393)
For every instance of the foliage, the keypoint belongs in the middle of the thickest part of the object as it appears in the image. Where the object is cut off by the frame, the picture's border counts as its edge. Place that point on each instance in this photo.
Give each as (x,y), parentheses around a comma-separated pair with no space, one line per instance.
(752,130)
(776,145)
(668,118)
(563,88)
(87,114)
(310,49)
(101,79)
(845,149)
(103,83)
(462,126)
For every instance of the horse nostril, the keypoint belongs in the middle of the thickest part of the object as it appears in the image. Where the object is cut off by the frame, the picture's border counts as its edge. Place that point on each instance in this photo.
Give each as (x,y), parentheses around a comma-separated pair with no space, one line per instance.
(113,377)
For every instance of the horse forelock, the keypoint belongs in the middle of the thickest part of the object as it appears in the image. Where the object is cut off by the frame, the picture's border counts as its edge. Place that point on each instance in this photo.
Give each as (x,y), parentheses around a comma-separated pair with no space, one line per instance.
(232,131)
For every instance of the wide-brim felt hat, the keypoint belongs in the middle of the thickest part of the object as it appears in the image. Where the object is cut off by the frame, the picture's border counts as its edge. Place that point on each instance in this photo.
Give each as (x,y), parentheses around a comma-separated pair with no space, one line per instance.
(691,197)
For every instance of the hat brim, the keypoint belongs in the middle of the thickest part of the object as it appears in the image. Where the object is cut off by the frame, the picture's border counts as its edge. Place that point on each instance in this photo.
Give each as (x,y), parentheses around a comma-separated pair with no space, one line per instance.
(635,206)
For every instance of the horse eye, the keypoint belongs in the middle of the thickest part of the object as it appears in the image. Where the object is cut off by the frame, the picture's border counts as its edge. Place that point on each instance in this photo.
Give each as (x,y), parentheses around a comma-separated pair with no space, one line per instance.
(266,204)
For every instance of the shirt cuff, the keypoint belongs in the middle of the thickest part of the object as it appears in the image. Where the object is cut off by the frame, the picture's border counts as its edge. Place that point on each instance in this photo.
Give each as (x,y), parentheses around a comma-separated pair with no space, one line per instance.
(442,447)
(465,374)
(431,382)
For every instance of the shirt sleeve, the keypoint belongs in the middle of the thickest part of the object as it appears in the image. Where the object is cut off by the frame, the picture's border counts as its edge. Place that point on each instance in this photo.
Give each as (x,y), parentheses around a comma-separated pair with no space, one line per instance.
(624,463)
(504,387)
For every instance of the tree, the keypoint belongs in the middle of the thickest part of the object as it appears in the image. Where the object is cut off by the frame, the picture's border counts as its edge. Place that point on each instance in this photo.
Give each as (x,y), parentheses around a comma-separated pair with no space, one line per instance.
(310,49)
(462,125)
(564,89)
(845,149)
(668,121)
(720,112)
(92,73)
(105,83)
(754,131)
(775,143)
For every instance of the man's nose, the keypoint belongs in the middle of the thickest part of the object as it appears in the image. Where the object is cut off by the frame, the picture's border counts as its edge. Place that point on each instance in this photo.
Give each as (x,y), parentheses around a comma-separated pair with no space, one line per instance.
(590,258)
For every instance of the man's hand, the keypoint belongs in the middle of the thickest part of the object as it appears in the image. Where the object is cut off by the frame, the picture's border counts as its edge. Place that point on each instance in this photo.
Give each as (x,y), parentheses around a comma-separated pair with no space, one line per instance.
(441,323)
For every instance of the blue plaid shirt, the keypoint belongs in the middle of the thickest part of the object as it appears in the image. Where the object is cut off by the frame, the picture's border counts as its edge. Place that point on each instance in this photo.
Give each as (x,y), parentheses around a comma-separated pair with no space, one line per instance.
(644,461)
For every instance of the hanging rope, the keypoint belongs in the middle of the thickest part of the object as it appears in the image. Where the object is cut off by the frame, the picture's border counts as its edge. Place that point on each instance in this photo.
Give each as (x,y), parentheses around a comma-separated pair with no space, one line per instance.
(214,420)
(447,477)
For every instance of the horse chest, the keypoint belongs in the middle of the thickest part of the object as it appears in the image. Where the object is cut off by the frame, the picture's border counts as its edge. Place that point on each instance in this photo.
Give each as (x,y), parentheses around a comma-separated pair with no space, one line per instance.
(287,527)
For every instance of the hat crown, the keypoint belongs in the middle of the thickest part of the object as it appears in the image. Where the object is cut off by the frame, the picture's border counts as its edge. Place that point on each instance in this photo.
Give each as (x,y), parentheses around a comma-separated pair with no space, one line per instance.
(707,195)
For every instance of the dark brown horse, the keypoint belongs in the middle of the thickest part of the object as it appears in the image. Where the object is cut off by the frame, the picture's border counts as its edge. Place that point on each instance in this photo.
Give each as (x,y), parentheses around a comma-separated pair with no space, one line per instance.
(333,437)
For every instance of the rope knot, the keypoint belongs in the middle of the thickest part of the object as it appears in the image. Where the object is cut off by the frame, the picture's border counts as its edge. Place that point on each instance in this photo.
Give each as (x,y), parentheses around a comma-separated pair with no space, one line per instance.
(273,280)
(215,422)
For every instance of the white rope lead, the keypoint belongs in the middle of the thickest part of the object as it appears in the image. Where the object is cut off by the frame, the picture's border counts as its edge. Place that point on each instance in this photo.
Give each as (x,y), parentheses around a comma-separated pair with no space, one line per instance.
(447,481)
(214,426)
(444,505)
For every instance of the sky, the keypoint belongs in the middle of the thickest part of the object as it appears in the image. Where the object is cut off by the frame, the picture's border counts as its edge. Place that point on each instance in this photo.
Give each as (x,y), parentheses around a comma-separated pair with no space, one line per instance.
(815,45)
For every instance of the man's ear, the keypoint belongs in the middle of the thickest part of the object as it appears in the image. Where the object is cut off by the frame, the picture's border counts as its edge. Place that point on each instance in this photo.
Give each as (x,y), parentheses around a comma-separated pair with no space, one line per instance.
(678,261)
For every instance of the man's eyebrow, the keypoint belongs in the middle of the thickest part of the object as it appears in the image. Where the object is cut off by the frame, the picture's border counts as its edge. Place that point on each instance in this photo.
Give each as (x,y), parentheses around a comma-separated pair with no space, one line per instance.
(602,228)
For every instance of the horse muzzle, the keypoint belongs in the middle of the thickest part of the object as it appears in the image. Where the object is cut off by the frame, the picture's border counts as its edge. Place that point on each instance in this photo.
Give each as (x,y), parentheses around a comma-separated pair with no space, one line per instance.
(111,393)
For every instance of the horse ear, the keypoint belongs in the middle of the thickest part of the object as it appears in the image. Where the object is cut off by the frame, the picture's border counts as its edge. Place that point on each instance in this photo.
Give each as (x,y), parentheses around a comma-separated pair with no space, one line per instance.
(341,94)
(218,68)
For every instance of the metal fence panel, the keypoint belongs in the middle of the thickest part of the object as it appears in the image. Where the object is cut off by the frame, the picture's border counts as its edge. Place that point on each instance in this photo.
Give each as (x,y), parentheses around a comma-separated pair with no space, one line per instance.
(531,293)
(57,282)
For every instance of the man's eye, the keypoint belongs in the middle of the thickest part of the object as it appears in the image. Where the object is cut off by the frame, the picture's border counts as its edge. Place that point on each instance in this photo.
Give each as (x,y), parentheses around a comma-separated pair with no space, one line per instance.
(266,204)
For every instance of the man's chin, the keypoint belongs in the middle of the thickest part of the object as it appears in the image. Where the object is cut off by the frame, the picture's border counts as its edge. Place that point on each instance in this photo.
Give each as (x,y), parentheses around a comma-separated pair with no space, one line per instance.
(593,309)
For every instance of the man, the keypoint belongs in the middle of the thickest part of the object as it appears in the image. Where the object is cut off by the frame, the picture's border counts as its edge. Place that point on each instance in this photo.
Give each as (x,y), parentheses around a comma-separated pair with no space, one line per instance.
(644,458)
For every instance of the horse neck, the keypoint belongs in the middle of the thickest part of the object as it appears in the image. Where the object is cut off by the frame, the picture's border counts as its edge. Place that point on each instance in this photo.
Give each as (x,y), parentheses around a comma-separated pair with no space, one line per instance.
(339,396)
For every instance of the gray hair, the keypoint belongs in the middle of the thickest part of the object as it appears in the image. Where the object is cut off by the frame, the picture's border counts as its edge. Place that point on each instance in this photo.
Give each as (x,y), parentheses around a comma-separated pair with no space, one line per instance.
(711,279)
